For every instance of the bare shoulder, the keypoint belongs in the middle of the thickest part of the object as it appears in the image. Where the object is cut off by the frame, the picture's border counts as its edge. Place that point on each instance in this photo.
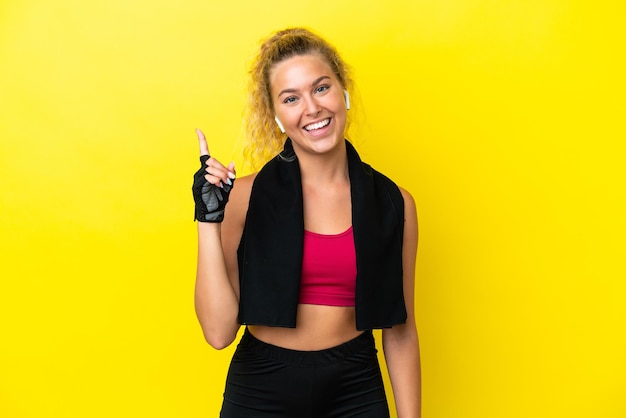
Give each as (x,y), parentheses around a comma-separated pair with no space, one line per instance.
(410,211)
(242,188)
(237,207)
(409,202)
(234,221)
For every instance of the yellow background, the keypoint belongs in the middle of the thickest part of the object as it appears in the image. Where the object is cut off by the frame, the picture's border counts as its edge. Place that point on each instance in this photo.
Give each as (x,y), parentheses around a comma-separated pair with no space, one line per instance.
(505,119)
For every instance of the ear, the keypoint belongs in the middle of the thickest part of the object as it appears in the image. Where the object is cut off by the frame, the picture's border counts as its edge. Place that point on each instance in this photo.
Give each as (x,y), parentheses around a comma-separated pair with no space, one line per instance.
(347,96)
(280,125)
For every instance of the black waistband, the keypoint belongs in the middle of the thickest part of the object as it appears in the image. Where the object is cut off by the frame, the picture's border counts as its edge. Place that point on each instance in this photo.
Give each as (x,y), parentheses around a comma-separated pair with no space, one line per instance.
(309,358)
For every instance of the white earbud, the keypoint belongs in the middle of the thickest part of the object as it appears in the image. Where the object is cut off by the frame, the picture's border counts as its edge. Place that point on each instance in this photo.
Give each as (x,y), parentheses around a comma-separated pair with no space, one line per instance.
(280,125)
(347,96)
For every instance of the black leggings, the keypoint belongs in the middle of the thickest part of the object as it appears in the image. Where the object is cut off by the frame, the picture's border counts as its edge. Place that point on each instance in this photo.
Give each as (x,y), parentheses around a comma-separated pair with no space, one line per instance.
(269,381)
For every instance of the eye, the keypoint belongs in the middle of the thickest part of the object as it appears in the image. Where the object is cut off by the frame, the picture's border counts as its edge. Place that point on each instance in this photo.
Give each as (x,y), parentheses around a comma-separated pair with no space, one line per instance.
(290,99)
(322,88)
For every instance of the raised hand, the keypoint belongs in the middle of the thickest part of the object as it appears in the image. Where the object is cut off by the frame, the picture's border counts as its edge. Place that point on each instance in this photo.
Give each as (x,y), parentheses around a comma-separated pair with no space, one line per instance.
(212,184)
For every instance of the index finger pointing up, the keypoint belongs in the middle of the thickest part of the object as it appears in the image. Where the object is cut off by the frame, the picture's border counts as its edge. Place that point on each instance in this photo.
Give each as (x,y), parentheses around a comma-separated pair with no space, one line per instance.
(204,147)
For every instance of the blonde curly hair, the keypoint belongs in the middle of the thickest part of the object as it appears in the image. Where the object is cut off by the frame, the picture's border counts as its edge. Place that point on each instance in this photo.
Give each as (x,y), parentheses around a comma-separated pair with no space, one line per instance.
(263,137)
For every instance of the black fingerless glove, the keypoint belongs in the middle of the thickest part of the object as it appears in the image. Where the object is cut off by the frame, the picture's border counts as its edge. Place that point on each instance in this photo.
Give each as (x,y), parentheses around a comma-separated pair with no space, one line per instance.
(210,199)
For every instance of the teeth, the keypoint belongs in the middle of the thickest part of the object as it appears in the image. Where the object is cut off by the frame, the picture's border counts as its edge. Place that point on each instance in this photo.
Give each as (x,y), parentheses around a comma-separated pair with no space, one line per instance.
(317,125)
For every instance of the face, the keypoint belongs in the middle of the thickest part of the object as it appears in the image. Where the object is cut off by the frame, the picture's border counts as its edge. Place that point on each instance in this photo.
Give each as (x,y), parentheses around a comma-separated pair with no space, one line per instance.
(309,101)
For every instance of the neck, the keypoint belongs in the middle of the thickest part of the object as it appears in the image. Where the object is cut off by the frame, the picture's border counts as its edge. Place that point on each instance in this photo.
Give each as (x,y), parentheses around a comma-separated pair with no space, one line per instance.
(323,169)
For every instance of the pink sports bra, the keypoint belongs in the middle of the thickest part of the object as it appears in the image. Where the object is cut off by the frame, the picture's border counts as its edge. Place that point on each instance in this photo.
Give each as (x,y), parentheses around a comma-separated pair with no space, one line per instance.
(328,269)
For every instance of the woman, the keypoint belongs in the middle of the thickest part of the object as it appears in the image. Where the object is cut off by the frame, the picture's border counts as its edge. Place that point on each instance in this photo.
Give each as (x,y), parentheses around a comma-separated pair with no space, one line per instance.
(311,253)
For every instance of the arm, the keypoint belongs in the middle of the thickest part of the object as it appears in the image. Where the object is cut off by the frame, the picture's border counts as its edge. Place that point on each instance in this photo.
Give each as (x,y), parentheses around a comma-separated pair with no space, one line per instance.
(217,279)
(400,343)
(216,297)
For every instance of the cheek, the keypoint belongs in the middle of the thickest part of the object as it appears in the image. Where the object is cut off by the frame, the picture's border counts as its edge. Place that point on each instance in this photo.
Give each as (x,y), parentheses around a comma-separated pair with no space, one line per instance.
(338,105)
(287,114)
(288,117)
(339,108)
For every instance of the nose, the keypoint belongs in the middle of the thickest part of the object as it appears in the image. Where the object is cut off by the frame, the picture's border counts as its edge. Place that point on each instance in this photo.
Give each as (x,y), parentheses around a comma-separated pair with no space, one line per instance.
(312,107)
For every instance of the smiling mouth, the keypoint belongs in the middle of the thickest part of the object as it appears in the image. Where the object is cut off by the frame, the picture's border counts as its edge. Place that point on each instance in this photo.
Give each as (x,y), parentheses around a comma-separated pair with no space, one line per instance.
(317,125)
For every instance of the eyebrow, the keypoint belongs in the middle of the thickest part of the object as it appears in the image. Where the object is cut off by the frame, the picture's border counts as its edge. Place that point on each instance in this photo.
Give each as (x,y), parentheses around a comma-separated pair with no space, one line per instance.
(315,82)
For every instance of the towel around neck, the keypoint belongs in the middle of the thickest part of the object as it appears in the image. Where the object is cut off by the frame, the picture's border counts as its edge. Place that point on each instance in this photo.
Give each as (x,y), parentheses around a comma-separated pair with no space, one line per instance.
(270,251)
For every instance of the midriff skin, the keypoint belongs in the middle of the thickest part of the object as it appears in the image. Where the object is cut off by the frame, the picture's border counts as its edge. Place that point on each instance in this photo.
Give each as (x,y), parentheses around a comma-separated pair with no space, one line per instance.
(317,327)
